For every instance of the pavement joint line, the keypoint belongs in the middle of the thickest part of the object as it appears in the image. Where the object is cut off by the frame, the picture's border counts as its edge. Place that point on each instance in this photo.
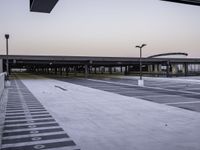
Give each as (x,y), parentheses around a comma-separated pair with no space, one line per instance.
(23,114)
(35,142)
(193,89)
(191,102)
(35,138)
(158,95)
(66,148)
(34,131)
(29,115)
(177,80)
(33,123)
(31,128)
(34,119)
(172,86)
(135,92)
(20,111)
(30,125)
(144,87)
(33,135)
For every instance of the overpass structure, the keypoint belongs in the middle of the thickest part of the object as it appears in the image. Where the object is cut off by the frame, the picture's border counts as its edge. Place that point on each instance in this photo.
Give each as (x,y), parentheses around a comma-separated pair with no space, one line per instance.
(89,65)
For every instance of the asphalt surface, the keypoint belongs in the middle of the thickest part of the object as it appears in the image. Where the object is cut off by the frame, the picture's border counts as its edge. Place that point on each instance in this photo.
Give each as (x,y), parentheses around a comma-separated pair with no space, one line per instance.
(177,94)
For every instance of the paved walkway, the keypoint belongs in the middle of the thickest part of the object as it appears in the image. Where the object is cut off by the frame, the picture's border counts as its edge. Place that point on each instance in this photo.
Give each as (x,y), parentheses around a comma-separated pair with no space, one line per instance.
(28,125)
(100,120)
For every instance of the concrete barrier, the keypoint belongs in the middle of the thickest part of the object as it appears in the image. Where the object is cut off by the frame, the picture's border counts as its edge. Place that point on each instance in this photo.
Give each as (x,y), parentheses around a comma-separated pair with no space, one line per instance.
(2,83)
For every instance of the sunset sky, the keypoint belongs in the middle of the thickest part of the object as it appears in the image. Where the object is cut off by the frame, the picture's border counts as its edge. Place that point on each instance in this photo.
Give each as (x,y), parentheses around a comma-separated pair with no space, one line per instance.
(101,28)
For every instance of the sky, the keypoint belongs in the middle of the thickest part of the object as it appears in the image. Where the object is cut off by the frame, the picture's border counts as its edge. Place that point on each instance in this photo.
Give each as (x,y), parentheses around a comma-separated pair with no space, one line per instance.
(100,28)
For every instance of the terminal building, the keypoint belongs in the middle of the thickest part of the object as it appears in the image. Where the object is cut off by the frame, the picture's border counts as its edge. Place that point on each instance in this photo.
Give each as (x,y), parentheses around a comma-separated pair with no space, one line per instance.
(65,65)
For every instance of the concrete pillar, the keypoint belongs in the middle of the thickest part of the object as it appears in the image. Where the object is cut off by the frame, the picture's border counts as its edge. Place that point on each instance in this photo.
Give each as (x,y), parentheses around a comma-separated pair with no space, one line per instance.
(55,70)
(86,71)
(168,69)
(1,65)
(174,69)
(95,70)
(89,69)
(185,69)
(150,68)
(61,71)
(75,70)
(103,70)
(155,68)
(67,71)
(9,70)
(160,68)
(121,69)
(126,70)
(110,70)
(48,70)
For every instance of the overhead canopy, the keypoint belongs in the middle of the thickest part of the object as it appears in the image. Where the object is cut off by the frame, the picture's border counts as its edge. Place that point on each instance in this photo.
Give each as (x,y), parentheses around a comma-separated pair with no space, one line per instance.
(168,54)
(190,2)
(44,6)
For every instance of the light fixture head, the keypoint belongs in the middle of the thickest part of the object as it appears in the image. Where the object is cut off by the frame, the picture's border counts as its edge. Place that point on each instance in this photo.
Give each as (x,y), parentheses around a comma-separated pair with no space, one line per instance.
(7,36)
(144,45)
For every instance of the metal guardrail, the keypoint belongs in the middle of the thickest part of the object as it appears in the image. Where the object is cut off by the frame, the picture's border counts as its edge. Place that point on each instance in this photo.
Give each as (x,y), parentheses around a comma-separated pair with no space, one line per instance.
(2,83)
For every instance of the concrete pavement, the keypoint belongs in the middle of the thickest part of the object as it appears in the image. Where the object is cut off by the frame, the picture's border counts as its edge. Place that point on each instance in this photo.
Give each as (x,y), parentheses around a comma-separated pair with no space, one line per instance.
(26,124)
(99,120)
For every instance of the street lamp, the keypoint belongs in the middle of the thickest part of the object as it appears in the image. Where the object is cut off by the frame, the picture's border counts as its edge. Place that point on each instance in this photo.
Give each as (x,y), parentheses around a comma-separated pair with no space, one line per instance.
(7,63)
(140,82)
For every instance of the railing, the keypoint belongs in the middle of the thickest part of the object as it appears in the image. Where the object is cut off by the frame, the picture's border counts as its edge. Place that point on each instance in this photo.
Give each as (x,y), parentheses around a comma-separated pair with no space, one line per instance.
(2,83)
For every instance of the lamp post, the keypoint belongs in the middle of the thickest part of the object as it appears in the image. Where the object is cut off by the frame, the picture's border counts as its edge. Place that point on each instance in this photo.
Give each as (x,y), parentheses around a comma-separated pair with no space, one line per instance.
(140,82)
(7,63)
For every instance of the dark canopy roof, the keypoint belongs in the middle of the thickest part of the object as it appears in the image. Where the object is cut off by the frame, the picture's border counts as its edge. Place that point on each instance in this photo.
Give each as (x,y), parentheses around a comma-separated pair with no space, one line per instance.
(191,2)
(44,6)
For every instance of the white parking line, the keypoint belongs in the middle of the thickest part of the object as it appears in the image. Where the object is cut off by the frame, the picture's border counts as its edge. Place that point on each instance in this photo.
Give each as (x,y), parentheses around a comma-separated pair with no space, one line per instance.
(35,142)
(177,86)
(192,102)
(156,88)
(32,135)
(195,88)
(164,95)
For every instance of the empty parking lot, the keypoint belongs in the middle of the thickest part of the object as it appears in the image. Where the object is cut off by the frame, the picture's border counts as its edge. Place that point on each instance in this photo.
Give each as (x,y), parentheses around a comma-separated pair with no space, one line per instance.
(99,113)
(182,94)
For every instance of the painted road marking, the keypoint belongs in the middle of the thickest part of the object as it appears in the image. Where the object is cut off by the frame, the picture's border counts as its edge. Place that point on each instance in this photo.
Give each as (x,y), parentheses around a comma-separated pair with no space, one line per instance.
(156,88)
(35,131)
(28,121)
(29,126)
(192,102)
(59,144)
(33,134)
(36,138)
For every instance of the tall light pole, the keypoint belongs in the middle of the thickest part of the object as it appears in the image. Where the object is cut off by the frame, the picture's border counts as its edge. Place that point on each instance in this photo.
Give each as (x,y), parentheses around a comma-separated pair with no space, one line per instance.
(140,47)
(7,63)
